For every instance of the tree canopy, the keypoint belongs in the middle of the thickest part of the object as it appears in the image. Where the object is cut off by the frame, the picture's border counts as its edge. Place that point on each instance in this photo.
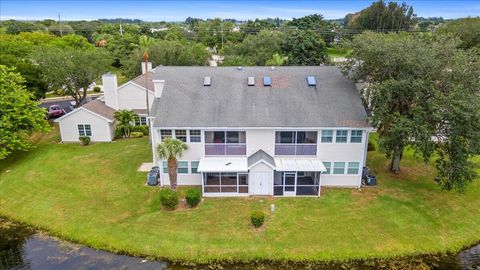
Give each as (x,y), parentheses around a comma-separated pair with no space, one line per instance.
(167,53)
(72,70)
(381,16)
(421,95)
(305,47)
(467,29)
(19,114)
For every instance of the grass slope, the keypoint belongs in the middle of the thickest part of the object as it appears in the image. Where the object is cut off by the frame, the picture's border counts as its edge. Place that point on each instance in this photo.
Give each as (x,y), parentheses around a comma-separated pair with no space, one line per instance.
(95,196)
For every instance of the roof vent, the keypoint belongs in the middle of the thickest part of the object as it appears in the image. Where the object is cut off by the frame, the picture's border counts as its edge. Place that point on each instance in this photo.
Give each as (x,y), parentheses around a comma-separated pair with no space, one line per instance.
(311,81)
(207,81)
(251,81)
(267,81)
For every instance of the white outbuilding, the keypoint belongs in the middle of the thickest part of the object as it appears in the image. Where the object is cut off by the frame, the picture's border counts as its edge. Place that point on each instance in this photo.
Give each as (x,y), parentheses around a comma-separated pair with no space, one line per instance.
(95,118)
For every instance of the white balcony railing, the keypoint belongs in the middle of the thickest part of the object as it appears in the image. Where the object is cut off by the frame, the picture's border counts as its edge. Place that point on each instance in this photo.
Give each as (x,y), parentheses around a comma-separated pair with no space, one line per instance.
(287,149)
(225,149)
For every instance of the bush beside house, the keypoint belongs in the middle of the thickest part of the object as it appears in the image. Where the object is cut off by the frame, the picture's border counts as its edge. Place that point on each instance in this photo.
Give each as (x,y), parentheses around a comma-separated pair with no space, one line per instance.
(193,197)
(84,140)
(168,198)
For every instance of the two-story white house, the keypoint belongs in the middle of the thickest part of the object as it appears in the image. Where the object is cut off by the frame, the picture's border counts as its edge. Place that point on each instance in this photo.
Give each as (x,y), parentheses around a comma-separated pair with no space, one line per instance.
(283,131)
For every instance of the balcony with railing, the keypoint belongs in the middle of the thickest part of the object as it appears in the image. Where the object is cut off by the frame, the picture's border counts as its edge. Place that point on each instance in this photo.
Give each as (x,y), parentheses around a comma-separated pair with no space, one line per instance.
(225,149)
(285,149)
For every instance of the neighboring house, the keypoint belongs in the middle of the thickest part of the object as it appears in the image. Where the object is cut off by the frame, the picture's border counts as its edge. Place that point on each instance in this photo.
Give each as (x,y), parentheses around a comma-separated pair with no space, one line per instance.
(95,118)
(282,131)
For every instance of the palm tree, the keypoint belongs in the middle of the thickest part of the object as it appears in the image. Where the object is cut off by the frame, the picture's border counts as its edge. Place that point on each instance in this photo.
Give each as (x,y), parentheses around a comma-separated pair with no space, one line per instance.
(144,44)
(170,149)
(124,120)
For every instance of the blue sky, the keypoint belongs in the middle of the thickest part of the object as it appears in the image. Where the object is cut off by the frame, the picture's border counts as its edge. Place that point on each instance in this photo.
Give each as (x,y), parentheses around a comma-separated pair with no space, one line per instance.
(247,9)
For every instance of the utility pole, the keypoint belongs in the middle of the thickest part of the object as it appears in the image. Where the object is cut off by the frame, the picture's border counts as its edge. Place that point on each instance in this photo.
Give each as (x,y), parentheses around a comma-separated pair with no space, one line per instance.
(60,23)
(121,30)
(222,34)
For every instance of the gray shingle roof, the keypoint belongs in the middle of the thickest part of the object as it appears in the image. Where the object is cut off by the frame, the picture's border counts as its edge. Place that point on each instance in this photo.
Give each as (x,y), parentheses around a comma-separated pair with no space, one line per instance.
(140,80)
(230,102)
(100,108)
(260,155)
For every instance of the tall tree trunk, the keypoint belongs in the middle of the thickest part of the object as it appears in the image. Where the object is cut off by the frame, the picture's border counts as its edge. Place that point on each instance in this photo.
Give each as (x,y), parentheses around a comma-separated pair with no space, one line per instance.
(396,157)
(172,172)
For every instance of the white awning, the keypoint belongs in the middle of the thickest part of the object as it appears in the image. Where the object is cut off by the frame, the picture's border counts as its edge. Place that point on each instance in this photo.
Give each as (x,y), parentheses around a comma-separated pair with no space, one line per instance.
(223,164)
(299,165)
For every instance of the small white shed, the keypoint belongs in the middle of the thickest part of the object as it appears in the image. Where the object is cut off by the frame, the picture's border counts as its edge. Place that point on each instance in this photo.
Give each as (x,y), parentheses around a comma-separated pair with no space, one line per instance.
(93,119)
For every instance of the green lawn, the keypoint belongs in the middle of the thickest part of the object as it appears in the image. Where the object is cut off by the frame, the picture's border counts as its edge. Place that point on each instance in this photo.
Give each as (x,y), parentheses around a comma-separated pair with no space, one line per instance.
(94,195)
(337,52)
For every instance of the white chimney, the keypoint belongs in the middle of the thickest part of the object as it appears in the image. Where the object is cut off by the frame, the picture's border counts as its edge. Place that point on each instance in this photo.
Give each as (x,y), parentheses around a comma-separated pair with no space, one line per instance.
(149,67)
(110,86)
(158,85)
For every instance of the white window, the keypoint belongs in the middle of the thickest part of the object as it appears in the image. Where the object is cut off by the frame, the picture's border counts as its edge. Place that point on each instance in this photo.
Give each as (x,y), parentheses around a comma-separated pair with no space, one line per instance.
(328,166)
(143,120)
(140,120)
(182,167)
(84,130)
(195,135)
(356,136)
(353,167)
(165,167)
(341,136)
(165,133)
(194,167)
(181,134)
(338,167)
(327,136)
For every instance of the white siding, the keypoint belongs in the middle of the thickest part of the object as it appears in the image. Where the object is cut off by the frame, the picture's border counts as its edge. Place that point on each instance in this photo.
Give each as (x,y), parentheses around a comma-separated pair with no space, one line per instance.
(101,129)
(265,139)
(131,96)
(261,139)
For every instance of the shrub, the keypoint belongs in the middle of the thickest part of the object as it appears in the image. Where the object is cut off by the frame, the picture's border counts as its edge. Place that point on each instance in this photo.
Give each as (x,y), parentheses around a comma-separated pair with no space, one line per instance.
(84,140)
(136,134)
(371,146)
(97,89)
(169,198)
(193,197)
(118,133)
(257,218)
(142,128)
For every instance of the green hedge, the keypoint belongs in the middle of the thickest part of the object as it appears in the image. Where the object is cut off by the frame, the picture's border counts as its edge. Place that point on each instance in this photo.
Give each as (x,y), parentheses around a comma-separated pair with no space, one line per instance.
(169,198)
(257,218)
(193,197)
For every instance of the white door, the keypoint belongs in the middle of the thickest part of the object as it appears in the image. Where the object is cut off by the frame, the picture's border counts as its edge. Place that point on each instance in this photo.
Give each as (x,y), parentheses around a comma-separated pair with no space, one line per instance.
(261,183)
(290,183)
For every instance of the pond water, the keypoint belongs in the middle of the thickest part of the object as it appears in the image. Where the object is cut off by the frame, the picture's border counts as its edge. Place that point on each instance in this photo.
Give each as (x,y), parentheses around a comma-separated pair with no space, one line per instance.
(24,248)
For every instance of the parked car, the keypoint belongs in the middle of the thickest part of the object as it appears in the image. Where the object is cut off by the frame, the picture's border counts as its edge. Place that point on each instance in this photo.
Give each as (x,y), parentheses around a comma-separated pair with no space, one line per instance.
(55,111)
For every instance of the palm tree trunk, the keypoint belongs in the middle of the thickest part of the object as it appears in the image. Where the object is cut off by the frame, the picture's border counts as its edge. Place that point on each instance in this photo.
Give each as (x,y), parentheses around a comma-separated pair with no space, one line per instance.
(172,172)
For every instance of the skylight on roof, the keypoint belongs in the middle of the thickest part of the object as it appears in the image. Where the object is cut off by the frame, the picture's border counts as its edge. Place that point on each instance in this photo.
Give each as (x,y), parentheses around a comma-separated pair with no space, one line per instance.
(207,81)
(311,81)
(267,81)
(251,81)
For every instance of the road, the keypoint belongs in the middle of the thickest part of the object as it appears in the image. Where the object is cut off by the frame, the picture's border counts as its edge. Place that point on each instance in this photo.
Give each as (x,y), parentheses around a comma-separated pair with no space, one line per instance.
(63,103)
